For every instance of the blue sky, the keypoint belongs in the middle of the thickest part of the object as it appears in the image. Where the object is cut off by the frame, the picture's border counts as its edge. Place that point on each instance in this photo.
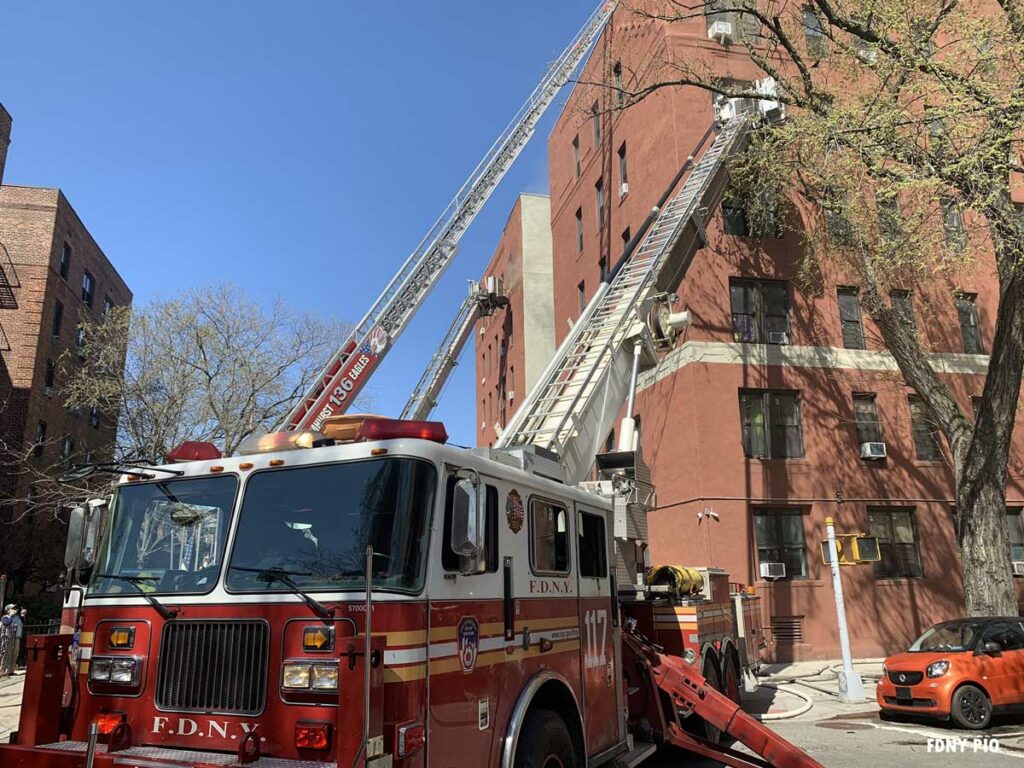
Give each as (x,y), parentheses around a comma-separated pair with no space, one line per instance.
(299,149)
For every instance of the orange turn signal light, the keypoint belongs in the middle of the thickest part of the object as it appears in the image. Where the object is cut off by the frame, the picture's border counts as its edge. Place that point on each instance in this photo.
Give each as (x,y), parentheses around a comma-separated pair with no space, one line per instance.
(318,638)
(122,637)
(312,735)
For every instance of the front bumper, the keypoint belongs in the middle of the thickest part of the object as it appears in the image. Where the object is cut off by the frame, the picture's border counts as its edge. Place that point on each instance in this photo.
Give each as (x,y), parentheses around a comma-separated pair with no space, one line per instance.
(929,697)
(71,754)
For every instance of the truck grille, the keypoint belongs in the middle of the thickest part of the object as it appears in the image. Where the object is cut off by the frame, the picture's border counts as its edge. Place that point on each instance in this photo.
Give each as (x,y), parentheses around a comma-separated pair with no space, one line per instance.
(213,666)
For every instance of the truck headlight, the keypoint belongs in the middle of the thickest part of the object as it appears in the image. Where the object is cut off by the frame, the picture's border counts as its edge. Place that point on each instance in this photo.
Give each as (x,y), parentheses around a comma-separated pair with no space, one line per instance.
(304,676)
(119,670)
(937,668)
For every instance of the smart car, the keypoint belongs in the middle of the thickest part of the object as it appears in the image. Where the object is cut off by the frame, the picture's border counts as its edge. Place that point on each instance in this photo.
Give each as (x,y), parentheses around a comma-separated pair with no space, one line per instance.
(960,670)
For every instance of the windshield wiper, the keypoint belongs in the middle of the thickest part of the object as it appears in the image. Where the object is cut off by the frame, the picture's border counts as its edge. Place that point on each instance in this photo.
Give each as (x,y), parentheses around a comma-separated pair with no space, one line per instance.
(163,610)
(82,471)
(285,577)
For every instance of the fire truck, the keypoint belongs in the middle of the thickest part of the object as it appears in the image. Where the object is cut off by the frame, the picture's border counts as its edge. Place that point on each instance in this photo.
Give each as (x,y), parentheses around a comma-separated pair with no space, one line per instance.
(353,591)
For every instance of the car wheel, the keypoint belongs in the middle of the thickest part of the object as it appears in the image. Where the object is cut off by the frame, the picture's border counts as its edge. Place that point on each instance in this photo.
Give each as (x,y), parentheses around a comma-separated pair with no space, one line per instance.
(971,708)
(544,742)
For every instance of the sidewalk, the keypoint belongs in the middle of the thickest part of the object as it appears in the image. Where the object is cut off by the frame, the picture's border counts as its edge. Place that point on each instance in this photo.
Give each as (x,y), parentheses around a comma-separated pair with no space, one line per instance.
(812,686)
(10,704)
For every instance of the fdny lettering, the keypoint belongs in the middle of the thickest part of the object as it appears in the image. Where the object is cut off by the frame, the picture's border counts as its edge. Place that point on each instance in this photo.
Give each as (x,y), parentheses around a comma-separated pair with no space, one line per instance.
(552,587)
(186,726)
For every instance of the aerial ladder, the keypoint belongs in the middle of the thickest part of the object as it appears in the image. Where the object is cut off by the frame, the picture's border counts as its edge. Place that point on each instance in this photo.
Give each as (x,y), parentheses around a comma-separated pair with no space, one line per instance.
(345,374)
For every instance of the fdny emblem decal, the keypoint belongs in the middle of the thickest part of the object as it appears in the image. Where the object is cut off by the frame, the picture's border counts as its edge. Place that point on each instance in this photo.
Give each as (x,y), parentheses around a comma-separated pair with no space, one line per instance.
(514,511)
(469,643)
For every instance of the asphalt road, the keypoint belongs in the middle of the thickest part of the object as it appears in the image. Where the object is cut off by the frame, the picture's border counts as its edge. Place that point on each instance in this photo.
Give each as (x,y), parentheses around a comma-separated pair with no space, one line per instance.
(862,739)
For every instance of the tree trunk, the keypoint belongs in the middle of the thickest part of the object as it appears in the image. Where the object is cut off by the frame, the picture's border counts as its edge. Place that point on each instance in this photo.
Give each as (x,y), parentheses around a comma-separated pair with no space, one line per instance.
(985,550)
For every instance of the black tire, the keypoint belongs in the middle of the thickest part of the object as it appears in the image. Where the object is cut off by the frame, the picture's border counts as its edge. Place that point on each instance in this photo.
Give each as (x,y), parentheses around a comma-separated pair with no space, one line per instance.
(732,687)
(544,742)
(970,708)
(710,673)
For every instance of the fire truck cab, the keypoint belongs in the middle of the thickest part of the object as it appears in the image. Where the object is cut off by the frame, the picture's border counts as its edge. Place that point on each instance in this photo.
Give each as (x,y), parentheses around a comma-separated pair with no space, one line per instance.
(390,600)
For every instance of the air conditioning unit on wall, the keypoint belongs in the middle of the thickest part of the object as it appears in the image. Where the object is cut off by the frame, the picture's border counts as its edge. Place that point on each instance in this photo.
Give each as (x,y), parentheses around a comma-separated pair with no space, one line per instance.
(1018,568)
(778,337)
(720,31)
(773,570)
(872,450)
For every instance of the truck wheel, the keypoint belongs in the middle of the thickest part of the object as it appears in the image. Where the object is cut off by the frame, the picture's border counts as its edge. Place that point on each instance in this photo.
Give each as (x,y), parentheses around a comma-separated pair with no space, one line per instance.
(544,742)
(971,708)
(731,677)
(710,673)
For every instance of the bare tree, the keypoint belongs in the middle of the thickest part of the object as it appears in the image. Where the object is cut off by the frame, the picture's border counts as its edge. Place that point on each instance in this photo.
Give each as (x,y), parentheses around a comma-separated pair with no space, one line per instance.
(896,161)
(211,365)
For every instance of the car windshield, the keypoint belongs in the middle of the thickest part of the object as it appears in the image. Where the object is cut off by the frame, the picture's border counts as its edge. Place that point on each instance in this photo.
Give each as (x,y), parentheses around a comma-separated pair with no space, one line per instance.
(312,525)
(953,636)
(166,537)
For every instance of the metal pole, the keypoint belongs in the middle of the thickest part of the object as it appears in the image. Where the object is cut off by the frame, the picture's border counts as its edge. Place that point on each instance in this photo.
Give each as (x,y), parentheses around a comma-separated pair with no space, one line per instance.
(851,687)
(90,750)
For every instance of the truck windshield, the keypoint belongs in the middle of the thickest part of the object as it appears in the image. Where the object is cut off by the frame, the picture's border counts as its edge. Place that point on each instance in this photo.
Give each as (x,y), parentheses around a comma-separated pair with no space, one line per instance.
(166,537)
(313,524)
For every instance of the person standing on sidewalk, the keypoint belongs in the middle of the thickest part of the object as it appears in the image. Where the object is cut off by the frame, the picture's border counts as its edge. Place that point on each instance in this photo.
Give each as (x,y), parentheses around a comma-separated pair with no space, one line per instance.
(8,640)
(22,638)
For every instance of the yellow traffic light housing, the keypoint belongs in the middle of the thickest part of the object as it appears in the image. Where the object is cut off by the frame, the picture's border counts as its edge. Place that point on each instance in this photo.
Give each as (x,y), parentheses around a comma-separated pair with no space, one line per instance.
(853,549)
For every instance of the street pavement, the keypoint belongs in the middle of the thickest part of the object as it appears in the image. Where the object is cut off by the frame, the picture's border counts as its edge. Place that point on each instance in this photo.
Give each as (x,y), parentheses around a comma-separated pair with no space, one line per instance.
(835,734)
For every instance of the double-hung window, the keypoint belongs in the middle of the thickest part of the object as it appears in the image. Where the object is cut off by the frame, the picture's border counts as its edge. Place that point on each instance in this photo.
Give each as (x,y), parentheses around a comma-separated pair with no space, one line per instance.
(760,311)
(770,424)
(780,539)
(896,532)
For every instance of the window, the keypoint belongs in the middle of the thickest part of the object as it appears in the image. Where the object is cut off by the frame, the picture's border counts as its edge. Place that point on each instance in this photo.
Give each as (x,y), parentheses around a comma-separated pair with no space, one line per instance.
(903,303)
(595,111)
(953,224)
(602,265)
(94,417)
(623,171)
(1015,532)
(734,217)
(37,449)
(850,319)
(620,94)
(449,559)
(626,237)
(50,374)
(599,190)
(549,531)
(865,412)
(67,445)
(896,532)
(780,539)
(581,295)
(814,34)
(65,260)
(58,318)
(579,230)
(970,329)
(926,442)
(760,311)
(88,287)
(576,154)
(80,342)
(938,133)
(839,228)
(770,424)
(107,306)
(593,546)
(889,217)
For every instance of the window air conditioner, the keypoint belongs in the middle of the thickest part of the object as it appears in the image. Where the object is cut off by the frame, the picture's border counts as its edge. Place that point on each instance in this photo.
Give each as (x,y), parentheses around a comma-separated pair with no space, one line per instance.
(872,450)
(623,189)
(773,570)
(778,337)
(1018,568)
(867,55)
(511,395)
(720,31)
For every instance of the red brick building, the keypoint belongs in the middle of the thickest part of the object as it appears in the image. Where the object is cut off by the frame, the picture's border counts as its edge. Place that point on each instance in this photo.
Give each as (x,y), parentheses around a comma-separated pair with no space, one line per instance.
(53,276)
(759,413)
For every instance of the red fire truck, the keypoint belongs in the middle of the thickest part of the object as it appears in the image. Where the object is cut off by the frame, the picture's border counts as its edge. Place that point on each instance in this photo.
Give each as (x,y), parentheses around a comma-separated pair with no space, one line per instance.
(369,596)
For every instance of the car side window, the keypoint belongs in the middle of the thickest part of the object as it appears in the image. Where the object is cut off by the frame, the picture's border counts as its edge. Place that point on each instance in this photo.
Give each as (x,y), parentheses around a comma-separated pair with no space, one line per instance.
(1009,635)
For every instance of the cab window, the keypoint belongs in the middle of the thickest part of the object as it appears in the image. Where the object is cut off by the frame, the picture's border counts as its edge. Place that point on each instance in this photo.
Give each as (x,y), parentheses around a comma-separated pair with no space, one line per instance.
(549,531)
(450,560)
(1009,635)
(593,547)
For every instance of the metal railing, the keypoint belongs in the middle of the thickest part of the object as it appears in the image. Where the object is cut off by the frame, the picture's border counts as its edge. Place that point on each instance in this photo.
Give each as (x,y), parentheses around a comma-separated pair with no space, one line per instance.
(13,639)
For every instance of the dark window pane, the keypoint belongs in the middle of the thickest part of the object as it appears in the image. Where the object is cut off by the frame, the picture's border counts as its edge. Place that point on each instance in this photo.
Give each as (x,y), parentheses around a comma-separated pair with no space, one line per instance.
(753,424)
(865,411)
(850,318)
(735,218)
(58,318)
(897,543)
(1015,533)
(904,306)
(593,546)
(970,330)
(889,218)
(780,539)
(926,444)
(760,311)
(549,526)
(953,223)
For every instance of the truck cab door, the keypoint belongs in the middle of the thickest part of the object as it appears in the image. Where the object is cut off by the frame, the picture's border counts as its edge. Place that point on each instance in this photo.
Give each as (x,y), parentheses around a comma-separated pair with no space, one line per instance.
(599,634)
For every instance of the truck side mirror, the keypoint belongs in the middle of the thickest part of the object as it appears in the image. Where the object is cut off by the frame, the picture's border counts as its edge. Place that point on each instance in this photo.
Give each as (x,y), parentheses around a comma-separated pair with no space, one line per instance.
(469,500)
(84,534)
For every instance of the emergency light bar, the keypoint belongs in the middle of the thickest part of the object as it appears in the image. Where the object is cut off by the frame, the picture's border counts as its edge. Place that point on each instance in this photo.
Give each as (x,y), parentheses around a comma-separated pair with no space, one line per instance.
(345,430)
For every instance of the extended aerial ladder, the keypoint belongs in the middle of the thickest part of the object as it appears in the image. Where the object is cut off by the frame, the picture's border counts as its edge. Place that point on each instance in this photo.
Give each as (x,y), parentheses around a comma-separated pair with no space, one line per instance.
(338,383)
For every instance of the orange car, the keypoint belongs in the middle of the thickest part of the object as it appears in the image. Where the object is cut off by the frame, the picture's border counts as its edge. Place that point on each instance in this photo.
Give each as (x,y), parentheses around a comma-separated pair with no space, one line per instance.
(959,670)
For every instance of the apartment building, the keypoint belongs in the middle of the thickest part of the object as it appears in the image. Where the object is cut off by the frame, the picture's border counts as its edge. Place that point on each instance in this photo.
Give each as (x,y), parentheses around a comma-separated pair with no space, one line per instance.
(53,276)
(774,409)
